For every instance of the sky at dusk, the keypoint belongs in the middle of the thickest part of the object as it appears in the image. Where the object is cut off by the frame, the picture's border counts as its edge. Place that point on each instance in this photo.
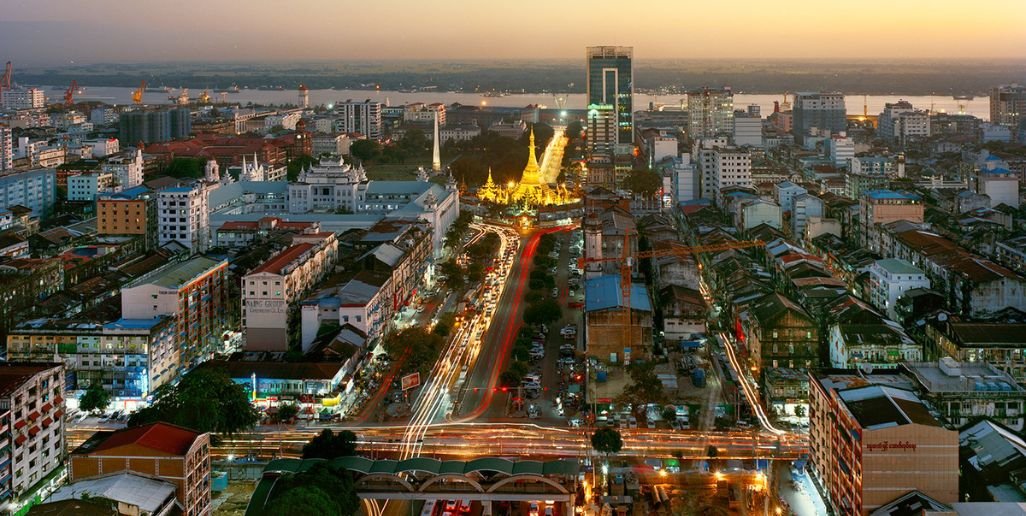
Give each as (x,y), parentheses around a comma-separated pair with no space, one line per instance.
(58,31)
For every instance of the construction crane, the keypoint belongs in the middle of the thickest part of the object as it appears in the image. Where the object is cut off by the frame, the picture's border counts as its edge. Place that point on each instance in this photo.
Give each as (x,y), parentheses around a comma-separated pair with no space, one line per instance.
(6,80)
(626,261)
(137,95)
(69,94)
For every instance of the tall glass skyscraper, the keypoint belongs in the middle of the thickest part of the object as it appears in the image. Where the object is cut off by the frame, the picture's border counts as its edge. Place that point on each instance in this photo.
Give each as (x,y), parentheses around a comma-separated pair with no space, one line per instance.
(611,82)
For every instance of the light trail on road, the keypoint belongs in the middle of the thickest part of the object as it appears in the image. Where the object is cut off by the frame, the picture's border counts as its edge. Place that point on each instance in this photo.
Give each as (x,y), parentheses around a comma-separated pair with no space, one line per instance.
(435,393)
(750,392)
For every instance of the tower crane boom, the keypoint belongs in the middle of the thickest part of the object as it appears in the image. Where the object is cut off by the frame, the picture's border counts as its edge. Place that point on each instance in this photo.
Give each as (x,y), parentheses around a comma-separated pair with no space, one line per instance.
(627,259)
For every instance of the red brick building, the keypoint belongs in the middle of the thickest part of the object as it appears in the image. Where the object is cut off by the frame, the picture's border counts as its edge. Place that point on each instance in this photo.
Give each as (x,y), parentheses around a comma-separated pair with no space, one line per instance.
(158,450)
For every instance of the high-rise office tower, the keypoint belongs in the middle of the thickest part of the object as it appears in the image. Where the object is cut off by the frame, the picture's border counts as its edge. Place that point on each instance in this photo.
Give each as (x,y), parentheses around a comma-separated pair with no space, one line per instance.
(822,111)
(710,113)
(1008,105)
(611,82)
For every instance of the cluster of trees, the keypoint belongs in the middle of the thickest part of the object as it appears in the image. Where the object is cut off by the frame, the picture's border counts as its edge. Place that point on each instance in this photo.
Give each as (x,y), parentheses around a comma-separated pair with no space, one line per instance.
(645,386)
(541,309)
(297,164)
(329,445)
(205,399)
(186,168)
(420,347)
(414,144)
(643,182)
(323,489)
(505,157)
(521,355)
(95,398)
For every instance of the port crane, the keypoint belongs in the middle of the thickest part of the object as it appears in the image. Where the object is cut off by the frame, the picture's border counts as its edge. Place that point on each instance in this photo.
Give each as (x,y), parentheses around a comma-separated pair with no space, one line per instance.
(137,95)
(69,94)
(5,80)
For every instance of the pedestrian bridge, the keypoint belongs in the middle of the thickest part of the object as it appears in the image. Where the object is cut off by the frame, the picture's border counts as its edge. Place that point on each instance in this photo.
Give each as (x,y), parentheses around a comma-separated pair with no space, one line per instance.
(487,479)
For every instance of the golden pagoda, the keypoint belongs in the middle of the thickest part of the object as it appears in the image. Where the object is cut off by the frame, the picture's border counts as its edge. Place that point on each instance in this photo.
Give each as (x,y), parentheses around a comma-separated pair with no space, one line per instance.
(530,192)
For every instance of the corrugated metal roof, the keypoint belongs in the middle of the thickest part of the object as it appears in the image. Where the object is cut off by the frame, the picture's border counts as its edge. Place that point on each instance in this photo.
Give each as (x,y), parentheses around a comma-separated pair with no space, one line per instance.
(604,292)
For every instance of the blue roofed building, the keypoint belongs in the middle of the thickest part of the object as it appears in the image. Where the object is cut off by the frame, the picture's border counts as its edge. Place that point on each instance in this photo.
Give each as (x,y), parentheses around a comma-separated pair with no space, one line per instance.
(610,335)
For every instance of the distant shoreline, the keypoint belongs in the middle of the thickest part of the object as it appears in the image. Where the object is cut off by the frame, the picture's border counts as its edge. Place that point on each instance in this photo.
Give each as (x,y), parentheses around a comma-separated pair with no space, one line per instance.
(853,77)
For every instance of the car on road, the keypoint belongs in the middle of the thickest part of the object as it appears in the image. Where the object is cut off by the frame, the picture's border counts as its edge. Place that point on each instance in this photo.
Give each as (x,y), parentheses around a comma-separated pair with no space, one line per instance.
(555,292)
(533,413)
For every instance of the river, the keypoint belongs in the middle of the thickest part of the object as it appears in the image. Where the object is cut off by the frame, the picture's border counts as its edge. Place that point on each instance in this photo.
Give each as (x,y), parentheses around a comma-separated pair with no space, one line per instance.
(979,106)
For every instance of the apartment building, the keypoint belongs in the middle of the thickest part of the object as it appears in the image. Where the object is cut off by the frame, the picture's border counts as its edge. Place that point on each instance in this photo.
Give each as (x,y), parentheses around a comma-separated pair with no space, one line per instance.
(90,185)
(878,207)
(183,216)
(129,212)
(722,166)
(34,189)
(127,169)
(161,451)
(889,279)
(362,117)
(129,357)
(270,291)
(193,293)
(870,444)
(32,397)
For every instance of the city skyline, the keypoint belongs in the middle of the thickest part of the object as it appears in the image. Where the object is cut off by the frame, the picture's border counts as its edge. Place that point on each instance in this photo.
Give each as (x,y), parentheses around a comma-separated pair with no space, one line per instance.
(197,31)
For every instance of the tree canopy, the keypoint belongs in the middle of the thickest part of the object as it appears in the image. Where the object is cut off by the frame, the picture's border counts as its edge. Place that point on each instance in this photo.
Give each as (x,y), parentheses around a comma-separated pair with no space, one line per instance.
(95,398)
(365,150)
(607,441)
(319,490)
(645,386)
(329,445)
(420,347)
(643,182)
(205,400)
(545,311)
(185,167)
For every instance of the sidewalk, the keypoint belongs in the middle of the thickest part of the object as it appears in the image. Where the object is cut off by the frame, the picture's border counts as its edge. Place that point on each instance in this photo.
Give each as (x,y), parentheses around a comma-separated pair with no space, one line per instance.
(806,500)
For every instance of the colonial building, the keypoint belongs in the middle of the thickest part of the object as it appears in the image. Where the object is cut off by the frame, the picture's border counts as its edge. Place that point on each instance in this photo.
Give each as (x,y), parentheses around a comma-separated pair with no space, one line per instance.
(777,332)
(1000,344)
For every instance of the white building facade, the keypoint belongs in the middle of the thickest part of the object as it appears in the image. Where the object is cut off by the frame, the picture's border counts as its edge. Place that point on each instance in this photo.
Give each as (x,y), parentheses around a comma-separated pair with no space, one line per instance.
(183,217)
(889,279)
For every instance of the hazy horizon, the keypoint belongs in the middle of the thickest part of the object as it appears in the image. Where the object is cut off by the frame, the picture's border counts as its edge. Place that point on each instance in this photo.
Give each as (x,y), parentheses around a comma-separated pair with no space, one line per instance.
(49,32)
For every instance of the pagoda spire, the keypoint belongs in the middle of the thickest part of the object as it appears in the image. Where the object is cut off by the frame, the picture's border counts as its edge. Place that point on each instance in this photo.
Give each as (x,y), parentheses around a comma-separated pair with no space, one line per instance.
(531,173)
